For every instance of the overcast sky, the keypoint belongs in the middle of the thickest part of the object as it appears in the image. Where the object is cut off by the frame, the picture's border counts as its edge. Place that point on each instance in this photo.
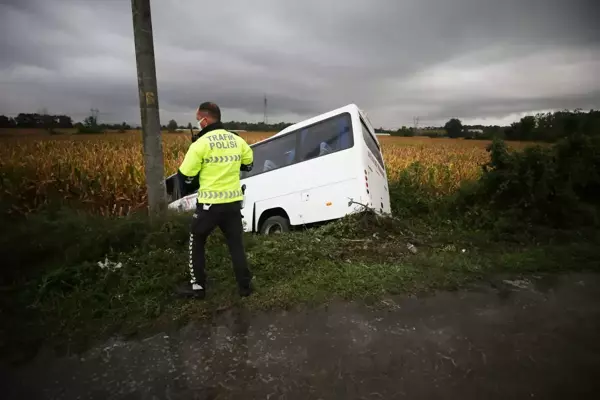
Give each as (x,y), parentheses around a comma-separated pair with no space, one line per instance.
(482,61)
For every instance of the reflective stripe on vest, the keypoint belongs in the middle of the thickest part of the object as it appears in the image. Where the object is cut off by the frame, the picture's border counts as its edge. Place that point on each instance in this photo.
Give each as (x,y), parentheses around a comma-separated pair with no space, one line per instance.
(228,194)
(222,159)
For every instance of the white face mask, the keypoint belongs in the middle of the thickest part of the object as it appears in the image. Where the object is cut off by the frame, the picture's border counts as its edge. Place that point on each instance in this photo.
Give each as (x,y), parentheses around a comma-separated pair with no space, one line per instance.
(200,123)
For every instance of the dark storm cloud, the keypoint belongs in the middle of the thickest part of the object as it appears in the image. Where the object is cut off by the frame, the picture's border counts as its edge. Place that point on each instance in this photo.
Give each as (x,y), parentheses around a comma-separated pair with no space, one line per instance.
(395,59)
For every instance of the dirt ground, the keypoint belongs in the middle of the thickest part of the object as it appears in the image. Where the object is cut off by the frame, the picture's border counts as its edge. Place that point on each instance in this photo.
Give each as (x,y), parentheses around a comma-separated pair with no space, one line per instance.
(510,338)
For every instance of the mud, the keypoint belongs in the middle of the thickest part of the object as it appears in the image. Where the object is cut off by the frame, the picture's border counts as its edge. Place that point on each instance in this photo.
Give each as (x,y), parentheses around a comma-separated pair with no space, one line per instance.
(514,338)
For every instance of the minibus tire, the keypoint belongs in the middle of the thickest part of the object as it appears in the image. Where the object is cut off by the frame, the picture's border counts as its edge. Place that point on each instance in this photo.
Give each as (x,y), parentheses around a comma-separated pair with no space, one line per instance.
(281,224)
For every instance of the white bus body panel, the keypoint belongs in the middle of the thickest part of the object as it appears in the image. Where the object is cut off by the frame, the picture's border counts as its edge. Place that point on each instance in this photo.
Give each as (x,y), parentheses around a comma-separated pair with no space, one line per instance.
(379,196)
(311,191)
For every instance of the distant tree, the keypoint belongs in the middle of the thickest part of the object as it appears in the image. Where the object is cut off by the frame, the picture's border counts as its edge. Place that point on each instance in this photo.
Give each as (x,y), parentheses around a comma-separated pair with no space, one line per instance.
(491,132)
(527,127)
(64,121)
(189,125)
(454,128)
(48,122)
(382,130)
(25,120)
(90,124)
(172,126)
(91,121)
(6,122)
(123,127)
(404,131)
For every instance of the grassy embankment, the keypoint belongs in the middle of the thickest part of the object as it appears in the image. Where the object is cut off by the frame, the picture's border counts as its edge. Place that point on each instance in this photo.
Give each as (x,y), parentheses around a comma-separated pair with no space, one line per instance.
(54,291)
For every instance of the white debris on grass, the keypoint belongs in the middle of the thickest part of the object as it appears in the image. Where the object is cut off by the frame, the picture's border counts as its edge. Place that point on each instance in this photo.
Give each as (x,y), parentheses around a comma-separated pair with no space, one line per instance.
(519,283)
(110,265)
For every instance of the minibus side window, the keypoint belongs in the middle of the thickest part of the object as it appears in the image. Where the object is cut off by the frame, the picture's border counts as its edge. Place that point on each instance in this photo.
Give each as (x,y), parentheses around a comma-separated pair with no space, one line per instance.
(273,154)
(326,137)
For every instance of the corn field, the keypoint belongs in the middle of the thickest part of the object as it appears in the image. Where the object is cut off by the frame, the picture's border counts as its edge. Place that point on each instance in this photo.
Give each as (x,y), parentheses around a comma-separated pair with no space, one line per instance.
(105,173)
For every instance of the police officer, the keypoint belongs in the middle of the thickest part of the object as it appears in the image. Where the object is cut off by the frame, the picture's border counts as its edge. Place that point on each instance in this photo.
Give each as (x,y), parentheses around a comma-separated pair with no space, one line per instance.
(217,156)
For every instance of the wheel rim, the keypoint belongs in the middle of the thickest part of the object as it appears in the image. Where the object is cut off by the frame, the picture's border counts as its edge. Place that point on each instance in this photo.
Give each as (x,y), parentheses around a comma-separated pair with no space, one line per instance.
(274,229)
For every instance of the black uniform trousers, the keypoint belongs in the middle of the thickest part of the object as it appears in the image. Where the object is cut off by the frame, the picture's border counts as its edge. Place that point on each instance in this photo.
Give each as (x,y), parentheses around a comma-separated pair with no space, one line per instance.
(228,217)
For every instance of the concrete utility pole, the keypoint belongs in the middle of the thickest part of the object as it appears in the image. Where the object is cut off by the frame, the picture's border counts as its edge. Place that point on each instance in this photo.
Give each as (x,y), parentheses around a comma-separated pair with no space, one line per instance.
(146,70)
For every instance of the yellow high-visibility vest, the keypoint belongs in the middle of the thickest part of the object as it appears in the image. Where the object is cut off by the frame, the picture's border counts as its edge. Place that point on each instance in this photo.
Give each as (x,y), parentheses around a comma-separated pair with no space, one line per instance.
(217,156)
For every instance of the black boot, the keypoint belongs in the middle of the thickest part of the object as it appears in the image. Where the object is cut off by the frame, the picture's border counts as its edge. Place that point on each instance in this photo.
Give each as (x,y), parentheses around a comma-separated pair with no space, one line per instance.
(194,291)
(246,291)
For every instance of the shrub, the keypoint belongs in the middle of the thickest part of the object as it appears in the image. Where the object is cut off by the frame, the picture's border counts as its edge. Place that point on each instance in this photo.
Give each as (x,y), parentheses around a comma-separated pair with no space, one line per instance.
(557,186)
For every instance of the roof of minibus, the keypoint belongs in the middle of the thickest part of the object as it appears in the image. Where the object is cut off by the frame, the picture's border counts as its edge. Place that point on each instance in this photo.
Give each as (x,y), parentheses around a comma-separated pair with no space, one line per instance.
(347,108)
(312,120)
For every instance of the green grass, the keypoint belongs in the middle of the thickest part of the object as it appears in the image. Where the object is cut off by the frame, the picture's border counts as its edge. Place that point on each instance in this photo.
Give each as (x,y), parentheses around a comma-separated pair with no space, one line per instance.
(53,290)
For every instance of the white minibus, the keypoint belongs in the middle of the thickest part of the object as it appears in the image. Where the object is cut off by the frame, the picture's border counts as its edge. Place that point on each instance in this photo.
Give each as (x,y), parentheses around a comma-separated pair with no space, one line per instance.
(317,170)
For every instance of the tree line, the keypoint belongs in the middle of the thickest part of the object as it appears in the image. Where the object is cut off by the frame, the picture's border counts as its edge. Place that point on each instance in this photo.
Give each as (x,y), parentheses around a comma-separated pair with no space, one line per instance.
(36,120)
(236,125)
(549,126)
(91,124)
(51,122)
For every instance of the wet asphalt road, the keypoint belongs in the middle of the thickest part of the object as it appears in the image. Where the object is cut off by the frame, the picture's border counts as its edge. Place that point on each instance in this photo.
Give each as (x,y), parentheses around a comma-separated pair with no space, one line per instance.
(537,338)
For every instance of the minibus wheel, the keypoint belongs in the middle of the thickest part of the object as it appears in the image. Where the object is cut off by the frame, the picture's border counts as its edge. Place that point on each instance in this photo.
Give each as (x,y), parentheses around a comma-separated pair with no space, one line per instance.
(275,225)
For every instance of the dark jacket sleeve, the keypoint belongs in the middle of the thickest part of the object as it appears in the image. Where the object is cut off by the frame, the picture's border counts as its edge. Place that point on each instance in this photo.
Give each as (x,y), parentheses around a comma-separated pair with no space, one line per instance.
(246,168)
(188,184)
(247,157)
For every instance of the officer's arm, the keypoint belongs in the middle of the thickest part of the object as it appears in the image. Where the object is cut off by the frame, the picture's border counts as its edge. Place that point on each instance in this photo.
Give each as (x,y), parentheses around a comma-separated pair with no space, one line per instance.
(190,167)
(247,157)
